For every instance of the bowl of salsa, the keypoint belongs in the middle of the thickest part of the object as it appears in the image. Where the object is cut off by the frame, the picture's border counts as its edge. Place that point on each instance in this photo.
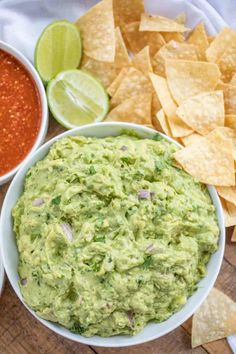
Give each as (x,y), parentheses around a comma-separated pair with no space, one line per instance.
(23,110)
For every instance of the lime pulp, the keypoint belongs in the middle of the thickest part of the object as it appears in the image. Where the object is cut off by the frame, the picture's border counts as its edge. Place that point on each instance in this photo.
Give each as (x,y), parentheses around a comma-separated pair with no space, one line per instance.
(76,98)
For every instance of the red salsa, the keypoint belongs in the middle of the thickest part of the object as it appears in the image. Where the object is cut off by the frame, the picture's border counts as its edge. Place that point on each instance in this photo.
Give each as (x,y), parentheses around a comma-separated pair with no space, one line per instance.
(20,112)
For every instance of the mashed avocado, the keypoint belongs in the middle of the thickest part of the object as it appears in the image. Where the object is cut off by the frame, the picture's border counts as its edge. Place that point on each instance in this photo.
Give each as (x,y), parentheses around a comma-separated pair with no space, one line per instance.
(111,234)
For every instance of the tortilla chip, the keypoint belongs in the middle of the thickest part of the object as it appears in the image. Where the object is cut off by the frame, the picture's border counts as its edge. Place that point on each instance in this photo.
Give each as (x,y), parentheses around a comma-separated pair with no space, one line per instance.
(211,39)
(198,37)
(133,84)
(208,163)
(226,76)
(203,112)
(227,61)
(98,31)
(126,11)
(163,122)
(224,40)
(189,78)
(231,209)
(233,237)
(233,80)
(181,18)
(225,131)
(156,104)
(156,124)
(227,64)
(177,126)
(190,139)
(135,110)
(163,93)
(105,72)
(142,61)
(230,220)
(229,96)
(136,40)
(121,57)
(214,319)
(173,36)
(228,193)
(228,133)
(230,121)
(160,24)
(116,83)
(173,50)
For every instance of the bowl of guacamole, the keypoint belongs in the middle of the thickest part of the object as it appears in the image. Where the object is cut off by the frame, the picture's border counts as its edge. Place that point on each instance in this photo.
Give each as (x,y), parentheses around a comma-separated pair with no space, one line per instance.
(106,240)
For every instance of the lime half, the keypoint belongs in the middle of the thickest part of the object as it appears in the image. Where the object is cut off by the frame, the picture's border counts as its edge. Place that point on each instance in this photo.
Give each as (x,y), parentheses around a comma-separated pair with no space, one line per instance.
(76,98)
(59,48)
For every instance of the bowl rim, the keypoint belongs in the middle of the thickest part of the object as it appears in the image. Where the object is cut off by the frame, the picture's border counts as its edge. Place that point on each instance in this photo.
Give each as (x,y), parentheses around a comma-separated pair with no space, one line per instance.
(98,340)
(2,276)
(44,106)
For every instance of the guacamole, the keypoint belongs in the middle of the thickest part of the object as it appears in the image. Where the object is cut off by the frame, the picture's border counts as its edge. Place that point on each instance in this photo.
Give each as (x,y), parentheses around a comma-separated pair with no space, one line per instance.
(111,234)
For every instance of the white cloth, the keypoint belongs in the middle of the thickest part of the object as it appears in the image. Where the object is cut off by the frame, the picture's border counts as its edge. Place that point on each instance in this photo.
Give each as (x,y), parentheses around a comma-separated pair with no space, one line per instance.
(22,21)
(226,9)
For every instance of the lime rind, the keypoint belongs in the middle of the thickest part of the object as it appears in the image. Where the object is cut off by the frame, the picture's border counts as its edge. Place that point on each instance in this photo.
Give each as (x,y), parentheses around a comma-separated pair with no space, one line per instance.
(64,25)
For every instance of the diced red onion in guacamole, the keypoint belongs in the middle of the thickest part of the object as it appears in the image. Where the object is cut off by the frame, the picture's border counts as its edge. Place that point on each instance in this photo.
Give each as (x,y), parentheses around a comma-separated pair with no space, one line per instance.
(150,248)
(130,318)
(144,194)
(38,202)
(23,281)
(124,148)
(66,228)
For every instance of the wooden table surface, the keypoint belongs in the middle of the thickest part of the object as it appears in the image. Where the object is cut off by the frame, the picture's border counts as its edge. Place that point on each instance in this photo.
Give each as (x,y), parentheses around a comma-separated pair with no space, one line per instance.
(20,333)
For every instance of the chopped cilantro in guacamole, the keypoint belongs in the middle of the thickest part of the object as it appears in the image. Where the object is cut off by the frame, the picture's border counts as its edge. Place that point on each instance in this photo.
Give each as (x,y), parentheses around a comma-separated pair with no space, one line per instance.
(111,235)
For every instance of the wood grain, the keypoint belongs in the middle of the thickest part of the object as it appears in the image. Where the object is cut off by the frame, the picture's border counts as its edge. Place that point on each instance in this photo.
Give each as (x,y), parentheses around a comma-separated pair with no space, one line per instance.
(230,248)
(178,341)
(20,333)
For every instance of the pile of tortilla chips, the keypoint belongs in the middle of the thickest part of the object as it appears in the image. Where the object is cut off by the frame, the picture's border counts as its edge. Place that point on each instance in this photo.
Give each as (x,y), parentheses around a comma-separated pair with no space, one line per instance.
(215,319)
(182,82)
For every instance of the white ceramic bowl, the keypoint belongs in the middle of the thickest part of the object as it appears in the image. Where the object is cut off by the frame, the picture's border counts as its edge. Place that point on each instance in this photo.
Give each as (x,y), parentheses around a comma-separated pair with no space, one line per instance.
(44,117)
(2,276)
(10,253)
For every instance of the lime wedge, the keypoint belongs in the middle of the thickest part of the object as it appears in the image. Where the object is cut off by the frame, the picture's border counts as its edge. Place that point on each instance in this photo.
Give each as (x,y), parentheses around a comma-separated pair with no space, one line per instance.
(58,48)
(76,98)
